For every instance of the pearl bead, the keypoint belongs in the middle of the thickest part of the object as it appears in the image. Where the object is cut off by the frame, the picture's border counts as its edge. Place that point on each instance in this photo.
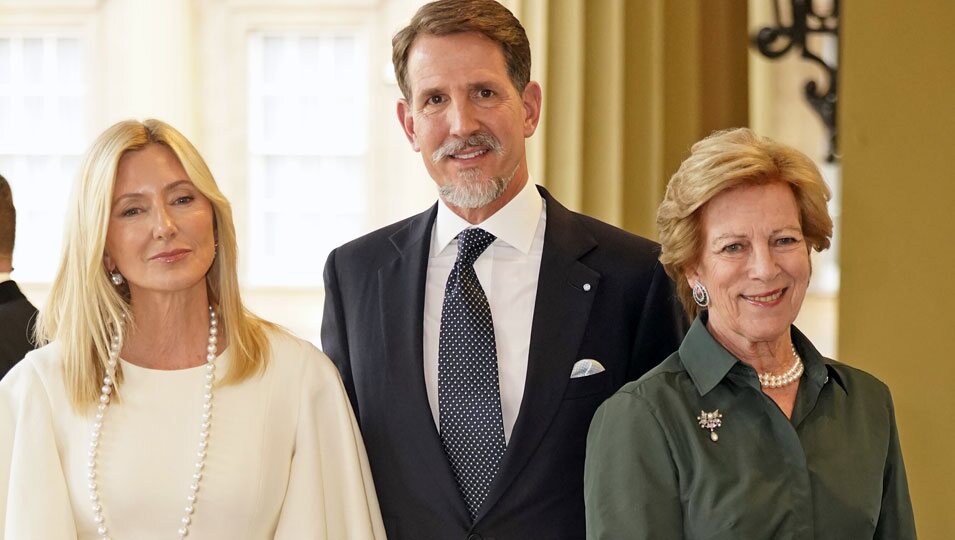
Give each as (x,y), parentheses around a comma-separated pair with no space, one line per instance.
(104,399)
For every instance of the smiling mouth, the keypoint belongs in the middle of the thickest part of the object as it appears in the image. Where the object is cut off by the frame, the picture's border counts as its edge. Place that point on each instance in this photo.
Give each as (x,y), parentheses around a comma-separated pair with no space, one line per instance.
(766,299)
(470,155)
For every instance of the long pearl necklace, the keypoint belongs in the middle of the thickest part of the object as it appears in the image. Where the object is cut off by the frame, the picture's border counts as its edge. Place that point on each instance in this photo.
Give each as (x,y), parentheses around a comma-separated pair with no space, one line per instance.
(104,399)
(768,380)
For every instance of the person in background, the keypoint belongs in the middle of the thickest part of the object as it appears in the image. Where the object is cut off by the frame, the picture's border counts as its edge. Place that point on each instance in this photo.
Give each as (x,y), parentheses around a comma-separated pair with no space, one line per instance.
(158,406)
(17,314)
(746,431)
(476,339)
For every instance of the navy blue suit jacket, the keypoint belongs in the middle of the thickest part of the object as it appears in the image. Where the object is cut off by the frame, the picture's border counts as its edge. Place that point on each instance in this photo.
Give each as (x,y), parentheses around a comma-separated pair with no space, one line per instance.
(17,317)
(629,319)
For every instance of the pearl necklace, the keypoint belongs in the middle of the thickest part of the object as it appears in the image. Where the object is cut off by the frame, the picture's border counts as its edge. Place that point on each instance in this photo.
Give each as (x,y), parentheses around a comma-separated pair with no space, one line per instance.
(768,380)
(104,399)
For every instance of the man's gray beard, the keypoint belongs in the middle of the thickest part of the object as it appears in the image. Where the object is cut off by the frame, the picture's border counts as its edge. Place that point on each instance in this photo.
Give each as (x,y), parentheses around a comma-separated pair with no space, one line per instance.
(470,191)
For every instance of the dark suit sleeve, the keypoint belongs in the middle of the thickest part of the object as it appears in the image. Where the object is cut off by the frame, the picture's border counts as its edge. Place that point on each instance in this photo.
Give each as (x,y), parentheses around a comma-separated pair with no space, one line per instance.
(662,325)
(334,334)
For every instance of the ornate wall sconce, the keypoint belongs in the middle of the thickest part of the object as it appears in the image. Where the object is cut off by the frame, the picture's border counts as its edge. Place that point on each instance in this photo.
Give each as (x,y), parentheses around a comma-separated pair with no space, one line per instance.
(775,41)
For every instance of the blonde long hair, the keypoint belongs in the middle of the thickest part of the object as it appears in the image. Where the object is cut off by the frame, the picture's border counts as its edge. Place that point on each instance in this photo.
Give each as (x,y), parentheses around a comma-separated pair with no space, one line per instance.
(84,309)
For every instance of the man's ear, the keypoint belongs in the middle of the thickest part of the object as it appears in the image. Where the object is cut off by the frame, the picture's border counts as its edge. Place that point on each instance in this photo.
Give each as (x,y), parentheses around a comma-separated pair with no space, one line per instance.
(532,100)
(406,119)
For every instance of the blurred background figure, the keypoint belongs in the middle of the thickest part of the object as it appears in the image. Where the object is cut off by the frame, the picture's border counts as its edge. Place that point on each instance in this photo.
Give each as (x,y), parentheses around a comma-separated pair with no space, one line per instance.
(17,314)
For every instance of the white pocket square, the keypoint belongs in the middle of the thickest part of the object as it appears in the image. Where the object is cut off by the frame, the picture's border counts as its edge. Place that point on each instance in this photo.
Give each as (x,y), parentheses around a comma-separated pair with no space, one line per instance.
(586,367)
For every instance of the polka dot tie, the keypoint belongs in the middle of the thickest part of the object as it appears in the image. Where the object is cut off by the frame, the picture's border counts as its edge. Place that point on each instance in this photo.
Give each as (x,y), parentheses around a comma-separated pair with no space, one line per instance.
(469,398)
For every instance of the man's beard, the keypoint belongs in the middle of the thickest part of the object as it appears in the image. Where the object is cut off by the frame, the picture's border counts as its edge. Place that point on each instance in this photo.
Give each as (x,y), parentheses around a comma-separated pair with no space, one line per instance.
(468,189)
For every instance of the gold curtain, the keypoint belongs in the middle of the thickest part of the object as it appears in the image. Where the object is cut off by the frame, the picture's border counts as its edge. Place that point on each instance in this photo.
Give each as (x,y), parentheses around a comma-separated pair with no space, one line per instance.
(629,85)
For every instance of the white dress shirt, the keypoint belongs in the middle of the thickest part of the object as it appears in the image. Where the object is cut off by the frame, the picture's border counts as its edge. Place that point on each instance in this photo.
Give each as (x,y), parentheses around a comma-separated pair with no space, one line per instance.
(508,271)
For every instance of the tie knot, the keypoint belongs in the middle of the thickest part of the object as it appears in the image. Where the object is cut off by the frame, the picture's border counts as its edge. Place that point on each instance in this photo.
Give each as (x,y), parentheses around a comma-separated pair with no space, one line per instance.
(472,243)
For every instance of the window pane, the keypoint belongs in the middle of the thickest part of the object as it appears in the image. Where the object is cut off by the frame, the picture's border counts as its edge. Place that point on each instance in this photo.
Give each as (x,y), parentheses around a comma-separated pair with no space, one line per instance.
(32,60)
(69,61)
(5,67)
(306,170)
(42,133)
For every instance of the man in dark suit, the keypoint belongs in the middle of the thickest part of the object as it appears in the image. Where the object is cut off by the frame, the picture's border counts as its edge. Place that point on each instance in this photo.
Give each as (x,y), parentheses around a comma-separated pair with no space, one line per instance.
(17,314)
(477,338)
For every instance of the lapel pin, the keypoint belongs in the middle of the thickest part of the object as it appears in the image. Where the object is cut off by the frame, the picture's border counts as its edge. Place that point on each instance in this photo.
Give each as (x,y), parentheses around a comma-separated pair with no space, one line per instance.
(586,287)
(711,421)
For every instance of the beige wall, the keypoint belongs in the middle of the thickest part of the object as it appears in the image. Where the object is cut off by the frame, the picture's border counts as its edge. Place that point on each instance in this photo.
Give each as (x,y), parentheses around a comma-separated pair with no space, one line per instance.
(898,259)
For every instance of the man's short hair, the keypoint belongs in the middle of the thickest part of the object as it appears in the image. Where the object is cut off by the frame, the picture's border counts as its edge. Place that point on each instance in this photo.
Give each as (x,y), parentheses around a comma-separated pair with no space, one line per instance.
(445,17)
(8,219)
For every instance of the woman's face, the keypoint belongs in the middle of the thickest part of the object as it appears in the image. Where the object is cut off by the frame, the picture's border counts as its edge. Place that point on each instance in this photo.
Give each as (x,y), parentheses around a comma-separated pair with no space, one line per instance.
(160,234)
(754,262)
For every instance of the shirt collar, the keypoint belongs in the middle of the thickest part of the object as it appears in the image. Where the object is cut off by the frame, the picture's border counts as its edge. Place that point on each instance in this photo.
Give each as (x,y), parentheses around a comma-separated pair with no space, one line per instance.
(707,362)
(4,276)
(515,223)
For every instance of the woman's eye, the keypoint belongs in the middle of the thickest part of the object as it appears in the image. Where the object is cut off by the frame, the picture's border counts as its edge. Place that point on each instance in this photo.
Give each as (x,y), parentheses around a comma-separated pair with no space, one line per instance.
(733,248)
(131,212)
(185,199)
(787,241)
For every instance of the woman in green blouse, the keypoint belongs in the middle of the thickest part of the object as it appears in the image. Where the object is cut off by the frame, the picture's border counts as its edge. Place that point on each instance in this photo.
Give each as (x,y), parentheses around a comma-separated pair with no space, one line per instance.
(746,432)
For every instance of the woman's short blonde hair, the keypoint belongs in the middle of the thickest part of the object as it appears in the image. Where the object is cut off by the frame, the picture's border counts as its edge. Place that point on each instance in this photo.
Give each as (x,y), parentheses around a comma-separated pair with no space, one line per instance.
(723,161)
(84,309)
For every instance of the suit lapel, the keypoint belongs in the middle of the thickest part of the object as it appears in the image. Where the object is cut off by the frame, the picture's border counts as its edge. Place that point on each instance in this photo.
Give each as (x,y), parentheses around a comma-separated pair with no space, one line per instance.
(561,311)
(401,286)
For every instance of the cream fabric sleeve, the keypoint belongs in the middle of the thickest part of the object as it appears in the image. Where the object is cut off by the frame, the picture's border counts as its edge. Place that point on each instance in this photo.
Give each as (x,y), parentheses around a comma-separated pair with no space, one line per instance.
(34,502)
(330,491)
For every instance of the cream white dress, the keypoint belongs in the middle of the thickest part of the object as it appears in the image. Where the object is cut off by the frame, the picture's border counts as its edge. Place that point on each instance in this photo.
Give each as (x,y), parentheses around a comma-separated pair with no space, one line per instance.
(285,457)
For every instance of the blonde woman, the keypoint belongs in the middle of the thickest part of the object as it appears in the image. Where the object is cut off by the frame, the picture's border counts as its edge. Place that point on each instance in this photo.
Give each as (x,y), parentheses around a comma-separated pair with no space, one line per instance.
(160,407)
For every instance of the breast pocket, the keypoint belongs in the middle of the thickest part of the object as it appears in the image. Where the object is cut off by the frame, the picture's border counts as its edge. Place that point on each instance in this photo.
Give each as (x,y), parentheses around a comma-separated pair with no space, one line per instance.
(581,387)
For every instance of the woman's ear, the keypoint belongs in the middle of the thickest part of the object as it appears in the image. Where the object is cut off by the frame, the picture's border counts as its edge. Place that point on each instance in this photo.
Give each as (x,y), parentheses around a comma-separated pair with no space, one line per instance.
(692,276)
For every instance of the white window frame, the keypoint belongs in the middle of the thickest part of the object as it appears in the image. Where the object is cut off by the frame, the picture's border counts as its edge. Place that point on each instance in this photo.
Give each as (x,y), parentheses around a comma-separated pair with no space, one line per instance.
(48,20)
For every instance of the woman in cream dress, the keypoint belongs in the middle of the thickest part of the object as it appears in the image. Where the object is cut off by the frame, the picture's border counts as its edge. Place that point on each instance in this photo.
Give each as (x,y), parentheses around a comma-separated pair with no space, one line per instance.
(159,407)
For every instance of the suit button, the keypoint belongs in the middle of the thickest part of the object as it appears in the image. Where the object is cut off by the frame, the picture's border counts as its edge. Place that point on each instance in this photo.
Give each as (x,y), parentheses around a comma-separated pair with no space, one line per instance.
(474,536)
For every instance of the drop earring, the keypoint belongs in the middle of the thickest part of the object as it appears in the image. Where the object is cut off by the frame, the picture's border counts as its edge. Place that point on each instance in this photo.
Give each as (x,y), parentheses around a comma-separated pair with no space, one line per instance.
(700,295)
(116,278)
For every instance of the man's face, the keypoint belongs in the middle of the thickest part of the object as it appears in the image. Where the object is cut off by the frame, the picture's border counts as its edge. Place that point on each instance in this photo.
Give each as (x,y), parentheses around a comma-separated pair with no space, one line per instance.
(467,119)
